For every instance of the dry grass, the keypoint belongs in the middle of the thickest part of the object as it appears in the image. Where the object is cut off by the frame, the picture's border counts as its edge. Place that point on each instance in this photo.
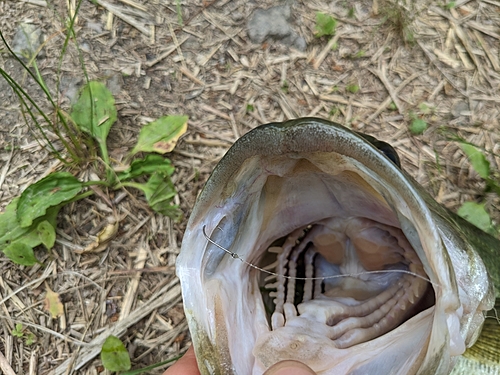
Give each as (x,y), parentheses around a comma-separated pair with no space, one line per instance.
(210,71)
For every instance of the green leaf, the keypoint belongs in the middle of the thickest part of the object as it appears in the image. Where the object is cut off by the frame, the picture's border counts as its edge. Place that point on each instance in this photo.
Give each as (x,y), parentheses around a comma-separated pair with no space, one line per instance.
(98,119)
(477,159)
(418,126)
(352,88)
(47,234)
(325,25)
(30,339)
(8,221)
(114,355)
(476,214)
(150,164)
(20,253)
(159,192)
(18,331)
(49,191)
(11,231)
(161,135)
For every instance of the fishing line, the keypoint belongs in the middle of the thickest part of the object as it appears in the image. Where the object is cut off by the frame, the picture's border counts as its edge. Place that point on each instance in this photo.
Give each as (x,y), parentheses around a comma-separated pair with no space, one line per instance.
(236,256)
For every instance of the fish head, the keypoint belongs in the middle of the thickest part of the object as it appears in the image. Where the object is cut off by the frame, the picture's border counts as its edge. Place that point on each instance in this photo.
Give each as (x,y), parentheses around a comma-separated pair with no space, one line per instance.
(309,242)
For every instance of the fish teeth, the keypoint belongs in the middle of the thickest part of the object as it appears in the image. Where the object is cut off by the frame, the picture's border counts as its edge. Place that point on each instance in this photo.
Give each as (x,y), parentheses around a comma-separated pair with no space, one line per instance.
(411,298)
(271,285)
(277,320)
(275,249)
(271,266)
(418,287)
(270,278)
(290,311)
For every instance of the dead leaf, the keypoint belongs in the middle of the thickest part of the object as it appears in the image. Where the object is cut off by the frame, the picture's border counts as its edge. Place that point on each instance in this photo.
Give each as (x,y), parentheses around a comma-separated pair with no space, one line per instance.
(163,147)
(104,236)
(52,303)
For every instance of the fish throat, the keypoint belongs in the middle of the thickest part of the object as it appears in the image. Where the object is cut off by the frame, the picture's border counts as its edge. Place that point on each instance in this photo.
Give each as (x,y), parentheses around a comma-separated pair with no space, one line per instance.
(353,279)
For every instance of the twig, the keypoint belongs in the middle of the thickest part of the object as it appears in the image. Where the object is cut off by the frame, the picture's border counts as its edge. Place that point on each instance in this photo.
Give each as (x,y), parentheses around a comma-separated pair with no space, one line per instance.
(128,300)
(206,107)
(46,273)
(433,59)
(387,101)
(184,70)
(124,17)
(381,74)
(6,167)
(491,56)
(5,366)
(321,56)
(135,5)
(164,55)
(167,296)
(342,100)
(40,3)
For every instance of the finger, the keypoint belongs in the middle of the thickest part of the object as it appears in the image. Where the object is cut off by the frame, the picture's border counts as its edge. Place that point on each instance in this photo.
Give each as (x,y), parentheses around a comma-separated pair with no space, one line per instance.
(185,366)
(289,367)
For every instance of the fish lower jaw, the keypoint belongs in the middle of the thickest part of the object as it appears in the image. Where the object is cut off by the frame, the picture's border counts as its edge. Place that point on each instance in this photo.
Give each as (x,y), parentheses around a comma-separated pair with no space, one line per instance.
(350,324)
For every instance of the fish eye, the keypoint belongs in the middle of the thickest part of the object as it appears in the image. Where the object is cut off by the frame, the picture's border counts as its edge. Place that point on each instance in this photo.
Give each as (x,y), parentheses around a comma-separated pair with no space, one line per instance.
(390,152)
(383,147)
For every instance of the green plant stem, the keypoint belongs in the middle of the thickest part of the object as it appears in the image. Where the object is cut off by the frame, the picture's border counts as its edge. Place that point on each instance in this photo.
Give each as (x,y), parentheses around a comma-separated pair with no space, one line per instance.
(105,157)
(38,79)
(135,185)
(96,182)
(24,108)
(79,197)
(46,92)
(41,82)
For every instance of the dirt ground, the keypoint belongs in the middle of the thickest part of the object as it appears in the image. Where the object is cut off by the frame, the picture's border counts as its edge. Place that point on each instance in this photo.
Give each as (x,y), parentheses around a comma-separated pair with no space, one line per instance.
(386,66)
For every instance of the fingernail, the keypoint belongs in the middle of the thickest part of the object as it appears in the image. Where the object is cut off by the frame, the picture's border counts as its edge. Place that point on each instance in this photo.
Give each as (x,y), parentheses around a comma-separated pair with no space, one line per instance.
(289,367)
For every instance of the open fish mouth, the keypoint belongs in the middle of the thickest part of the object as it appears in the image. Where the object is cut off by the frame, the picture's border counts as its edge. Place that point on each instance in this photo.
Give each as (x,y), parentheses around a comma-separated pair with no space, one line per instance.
(349,280)
(310,243)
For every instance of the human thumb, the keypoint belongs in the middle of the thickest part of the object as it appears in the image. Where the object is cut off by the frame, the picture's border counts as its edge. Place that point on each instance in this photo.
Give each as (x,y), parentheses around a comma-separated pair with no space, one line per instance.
(289,367)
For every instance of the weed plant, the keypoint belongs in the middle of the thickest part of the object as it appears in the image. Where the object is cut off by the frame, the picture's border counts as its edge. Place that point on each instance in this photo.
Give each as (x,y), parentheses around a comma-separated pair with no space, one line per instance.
(30,219)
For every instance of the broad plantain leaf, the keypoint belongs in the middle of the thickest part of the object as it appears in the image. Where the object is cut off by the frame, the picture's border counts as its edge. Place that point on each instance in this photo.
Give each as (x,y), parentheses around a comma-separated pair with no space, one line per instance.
(161,135)
(98,120)
(114,355)
(159,192)
(150,164)
(476,214)
(477,159)
(49,191)
(8,221)
(47,234)
(11,231)
(20,253)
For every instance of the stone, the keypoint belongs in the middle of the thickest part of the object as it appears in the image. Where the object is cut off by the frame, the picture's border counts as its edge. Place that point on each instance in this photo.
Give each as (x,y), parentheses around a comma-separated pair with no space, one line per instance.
(273,23)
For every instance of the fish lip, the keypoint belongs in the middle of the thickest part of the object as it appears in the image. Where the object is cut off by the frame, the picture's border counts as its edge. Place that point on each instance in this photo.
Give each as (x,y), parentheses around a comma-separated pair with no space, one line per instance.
(305,135)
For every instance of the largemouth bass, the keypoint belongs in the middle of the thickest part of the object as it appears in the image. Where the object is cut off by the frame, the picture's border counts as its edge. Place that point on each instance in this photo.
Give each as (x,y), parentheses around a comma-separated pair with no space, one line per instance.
(309,242)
